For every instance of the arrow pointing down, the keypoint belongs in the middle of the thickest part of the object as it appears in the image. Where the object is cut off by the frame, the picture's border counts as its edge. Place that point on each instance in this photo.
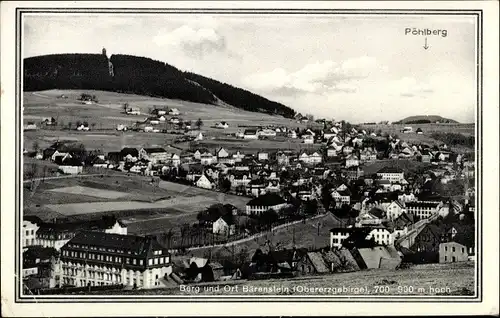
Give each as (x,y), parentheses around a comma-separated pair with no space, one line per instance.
(425,45)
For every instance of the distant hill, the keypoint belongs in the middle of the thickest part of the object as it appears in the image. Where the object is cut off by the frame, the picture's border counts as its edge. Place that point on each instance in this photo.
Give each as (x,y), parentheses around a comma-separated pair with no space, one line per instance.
(139,75)
(426,119)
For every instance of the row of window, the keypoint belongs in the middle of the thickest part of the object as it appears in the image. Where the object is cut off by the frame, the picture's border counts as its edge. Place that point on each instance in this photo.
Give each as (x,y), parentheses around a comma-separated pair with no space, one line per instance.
(420,208)
(92,274)
(453,249)
(100,257)
(117,259)
(30,232)
(101,249)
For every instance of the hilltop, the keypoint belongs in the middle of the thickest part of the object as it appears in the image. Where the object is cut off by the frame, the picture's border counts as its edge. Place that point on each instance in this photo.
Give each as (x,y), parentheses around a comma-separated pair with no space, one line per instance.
(141,76)
(426,119)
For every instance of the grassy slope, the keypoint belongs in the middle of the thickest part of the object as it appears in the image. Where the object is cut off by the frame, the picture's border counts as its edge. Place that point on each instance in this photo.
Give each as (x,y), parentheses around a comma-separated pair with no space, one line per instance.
(306,235)
(108,113)
(432,118)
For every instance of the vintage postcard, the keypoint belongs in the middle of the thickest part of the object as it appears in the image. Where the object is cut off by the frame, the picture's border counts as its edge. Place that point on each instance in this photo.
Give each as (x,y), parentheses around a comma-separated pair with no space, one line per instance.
(229,158)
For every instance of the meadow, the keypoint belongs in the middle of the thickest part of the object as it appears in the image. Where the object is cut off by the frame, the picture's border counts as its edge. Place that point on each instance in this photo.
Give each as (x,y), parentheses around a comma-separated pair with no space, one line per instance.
(108,113)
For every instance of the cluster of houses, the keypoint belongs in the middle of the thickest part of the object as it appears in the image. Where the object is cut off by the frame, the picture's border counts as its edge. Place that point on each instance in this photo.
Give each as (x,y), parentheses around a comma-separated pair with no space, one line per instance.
(389,216)
(156,117)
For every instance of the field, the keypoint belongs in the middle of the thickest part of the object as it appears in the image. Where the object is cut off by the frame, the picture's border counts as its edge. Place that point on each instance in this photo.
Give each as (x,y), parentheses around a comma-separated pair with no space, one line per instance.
(104,116)
(408,166)
(453,279)
(428,129)
(145,208)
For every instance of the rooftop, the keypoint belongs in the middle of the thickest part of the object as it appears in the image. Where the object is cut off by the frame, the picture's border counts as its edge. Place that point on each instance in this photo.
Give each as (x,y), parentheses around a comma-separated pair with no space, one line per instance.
(390,170)
(269,199)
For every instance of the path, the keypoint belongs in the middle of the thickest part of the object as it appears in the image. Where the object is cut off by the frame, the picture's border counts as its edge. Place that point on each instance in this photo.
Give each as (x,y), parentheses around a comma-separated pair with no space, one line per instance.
(64,177)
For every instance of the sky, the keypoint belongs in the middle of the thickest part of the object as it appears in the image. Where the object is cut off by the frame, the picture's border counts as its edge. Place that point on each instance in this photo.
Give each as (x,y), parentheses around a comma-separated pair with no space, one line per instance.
(359,68)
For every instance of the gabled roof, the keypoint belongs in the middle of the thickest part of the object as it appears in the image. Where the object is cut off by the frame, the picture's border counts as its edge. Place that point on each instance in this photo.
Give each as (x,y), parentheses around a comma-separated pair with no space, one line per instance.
(154,150)
(421,204)
(138,245)
(318,262)
(269,199)
(376,212)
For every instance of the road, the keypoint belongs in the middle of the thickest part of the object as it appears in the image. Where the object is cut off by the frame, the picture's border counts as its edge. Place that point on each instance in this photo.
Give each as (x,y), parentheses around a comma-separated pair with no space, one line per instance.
(407,239)
(249,238)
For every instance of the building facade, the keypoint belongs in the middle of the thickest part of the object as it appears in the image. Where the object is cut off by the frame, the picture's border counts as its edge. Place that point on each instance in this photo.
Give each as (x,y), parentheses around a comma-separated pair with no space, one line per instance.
(98,259)
(451,252)
(423,209)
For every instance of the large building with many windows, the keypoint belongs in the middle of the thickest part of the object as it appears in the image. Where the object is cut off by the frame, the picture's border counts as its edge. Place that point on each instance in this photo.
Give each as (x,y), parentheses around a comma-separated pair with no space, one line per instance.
(423,209)
(99,258)
(392,174)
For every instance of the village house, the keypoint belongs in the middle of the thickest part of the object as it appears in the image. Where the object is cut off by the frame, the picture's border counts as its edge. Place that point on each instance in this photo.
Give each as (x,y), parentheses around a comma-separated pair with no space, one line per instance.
(451,252)
(257,187)
(407,197)
(240,178)
(250,134)
(265,202)
(194,171)
(426,244)
(374,217)
(262,156)
(158,112)
(129,154)
(331,151)
(238,156)
(71,165)
(367,155)
(351,161)
(338,236)
(222,153)
(282,159)
(205,182)
(154,155)
(378,257)
(292,134)
(30,126)
(28,234)
(308,139)
(381,235)
(207,158)
(353,173)
(395,209)
(341,197)
(267,133)
(174,112)
(224,226)
(391,174)
(313,158)
(222,125)
(273,186)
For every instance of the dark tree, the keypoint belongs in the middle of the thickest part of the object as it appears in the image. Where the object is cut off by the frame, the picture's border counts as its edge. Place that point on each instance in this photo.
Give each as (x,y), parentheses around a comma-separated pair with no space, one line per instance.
(199,123)
(224,184)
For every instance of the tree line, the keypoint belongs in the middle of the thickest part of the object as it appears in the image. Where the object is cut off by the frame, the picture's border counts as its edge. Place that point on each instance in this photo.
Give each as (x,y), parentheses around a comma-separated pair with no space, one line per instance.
(455,139)
(138,75)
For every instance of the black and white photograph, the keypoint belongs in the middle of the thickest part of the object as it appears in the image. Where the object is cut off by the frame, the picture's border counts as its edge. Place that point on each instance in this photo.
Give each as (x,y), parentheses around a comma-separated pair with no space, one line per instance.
(237,153)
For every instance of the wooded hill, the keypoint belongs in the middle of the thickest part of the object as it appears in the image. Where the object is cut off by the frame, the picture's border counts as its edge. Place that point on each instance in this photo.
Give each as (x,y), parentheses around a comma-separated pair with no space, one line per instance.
(425,119)
(138,75)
